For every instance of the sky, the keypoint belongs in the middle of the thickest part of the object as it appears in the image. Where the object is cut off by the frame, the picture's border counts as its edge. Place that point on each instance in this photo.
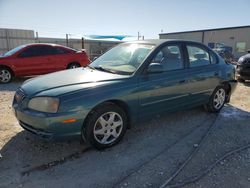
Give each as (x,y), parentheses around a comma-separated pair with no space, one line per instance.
(55,18)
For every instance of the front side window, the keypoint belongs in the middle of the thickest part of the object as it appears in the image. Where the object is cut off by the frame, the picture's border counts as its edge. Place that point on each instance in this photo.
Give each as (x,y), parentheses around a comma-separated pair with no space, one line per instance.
(197,56)
(36,51)
(11,52)
(123,59)
(170,57)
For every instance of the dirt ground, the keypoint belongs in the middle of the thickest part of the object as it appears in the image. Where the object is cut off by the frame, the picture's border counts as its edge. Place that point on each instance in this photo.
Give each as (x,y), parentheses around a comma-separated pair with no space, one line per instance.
(150,153)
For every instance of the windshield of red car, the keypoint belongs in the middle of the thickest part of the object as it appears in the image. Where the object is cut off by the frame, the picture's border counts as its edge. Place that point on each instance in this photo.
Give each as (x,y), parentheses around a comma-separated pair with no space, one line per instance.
(11,52)
(123,59)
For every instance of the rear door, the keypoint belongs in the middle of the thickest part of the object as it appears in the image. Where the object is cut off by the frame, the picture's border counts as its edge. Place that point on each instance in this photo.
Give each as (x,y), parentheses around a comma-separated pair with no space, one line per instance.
(203,72)
(59,58)
(165,91)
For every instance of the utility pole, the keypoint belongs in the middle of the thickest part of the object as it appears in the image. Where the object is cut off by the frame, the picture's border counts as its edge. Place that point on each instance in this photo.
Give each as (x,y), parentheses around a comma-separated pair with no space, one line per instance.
(37,37)
(7,39)
(67,39)
(139,36)
(82,43)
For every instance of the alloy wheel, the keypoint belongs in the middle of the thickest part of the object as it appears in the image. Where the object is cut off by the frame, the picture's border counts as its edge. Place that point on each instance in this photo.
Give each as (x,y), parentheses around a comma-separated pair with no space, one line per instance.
(5,76)
(108,127)
(219,98)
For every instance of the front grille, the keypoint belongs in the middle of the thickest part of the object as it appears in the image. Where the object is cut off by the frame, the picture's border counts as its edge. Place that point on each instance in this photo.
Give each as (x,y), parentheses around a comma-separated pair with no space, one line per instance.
(20,95)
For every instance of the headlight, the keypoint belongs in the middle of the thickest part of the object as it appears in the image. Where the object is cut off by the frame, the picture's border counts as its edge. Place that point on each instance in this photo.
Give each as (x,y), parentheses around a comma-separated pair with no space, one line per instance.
(44,104)
(241,60)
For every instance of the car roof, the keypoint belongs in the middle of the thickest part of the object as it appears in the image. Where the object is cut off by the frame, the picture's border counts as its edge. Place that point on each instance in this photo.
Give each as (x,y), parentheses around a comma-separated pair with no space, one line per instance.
(49,44)
(158,42)
(43,44)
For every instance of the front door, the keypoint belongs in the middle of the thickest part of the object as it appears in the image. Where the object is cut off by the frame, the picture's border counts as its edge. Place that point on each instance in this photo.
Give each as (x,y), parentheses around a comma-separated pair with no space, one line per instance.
(33,61)
(167,90)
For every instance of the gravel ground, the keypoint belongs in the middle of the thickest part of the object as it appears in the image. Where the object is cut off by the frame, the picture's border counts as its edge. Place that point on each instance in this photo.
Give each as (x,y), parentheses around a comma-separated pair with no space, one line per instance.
(148,155)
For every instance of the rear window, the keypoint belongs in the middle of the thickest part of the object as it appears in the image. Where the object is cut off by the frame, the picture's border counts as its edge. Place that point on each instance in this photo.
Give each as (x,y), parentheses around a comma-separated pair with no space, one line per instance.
(213,58)
(59,50)
(199,56)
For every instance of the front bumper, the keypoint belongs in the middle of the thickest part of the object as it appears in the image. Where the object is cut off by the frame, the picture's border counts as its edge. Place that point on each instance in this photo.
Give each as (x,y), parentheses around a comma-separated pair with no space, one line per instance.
(39,132)
(243,72)
(50,126)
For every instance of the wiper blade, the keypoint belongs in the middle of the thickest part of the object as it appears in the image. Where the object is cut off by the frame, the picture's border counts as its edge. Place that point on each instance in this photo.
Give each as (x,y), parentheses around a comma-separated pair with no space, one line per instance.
(90,67)
(105,69)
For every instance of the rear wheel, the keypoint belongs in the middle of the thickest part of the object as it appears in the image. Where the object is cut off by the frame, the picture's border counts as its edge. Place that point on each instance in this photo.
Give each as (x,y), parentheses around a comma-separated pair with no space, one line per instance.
(73,65)
(5,75)
(105,126)
(217,99)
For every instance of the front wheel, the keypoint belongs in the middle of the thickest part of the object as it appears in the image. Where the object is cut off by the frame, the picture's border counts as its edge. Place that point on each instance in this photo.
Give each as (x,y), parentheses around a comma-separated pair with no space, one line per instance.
(217,100)
(105,126)
(5,75)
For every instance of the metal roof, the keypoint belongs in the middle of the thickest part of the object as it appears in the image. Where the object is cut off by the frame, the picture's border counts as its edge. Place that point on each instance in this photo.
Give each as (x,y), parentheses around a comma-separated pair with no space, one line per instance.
(203,30)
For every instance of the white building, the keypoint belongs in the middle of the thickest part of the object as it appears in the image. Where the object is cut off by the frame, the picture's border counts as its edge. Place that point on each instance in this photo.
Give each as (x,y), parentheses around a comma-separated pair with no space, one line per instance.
(236,38)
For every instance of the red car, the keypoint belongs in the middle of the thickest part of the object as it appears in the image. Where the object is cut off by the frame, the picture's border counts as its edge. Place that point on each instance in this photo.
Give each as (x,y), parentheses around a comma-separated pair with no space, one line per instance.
(37,59)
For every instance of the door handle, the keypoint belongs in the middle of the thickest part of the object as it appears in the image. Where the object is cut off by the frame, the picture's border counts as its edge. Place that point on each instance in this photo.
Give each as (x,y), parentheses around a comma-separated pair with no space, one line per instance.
(216,73)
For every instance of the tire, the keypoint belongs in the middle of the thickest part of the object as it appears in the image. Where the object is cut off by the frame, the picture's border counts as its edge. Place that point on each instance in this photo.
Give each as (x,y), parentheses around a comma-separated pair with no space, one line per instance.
(73,65)
(105,126)
(217,100)
(5,75)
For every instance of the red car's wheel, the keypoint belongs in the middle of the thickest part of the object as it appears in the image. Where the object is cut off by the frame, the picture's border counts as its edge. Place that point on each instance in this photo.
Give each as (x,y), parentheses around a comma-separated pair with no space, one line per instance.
(73,65)
(5,75)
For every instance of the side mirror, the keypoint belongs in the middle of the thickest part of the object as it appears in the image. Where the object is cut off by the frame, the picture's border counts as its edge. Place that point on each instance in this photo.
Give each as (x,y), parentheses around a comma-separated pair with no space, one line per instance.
(155,68)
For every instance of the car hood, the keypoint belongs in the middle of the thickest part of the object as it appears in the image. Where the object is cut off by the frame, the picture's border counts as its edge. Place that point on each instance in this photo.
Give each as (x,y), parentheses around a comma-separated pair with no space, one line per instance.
(69,80)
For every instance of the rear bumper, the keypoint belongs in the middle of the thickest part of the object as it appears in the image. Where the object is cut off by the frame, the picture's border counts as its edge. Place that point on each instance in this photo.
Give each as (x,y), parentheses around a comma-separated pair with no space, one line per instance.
(233,85)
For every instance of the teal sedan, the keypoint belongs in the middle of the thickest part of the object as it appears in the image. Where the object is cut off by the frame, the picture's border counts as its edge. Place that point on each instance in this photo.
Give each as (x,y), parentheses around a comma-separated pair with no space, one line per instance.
(130,82)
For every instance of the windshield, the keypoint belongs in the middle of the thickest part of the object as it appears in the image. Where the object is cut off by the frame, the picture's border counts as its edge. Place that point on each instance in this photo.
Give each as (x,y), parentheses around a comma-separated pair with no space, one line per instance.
(11,52)
(123,59)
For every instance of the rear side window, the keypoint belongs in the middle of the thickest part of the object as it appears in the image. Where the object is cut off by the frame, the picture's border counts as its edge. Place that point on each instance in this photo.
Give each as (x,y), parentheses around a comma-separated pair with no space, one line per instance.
(197,56)
(170,57)
(59,50)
